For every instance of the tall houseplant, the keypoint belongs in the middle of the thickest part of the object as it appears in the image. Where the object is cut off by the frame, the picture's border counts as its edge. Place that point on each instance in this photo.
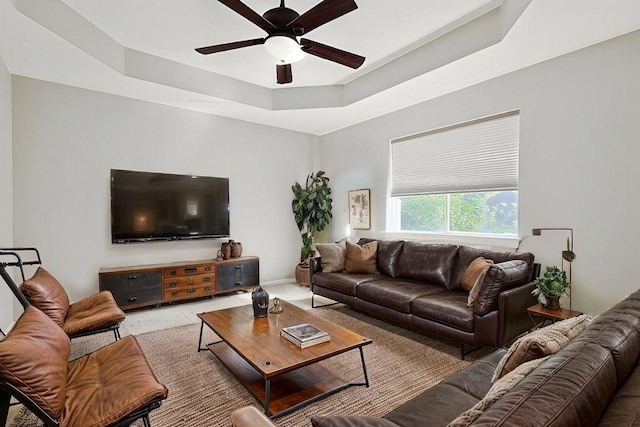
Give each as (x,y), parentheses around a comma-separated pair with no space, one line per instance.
(311,207)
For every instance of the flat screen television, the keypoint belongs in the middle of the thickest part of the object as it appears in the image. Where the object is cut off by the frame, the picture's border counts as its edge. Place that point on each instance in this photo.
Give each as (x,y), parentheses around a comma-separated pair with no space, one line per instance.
(148,206)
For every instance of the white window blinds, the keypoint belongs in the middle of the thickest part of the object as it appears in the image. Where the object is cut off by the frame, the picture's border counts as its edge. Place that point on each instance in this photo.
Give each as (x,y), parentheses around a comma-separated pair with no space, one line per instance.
(480,155)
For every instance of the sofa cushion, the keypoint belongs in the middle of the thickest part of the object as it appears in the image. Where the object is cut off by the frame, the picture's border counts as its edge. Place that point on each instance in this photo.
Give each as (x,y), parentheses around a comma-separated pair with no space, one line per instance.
(624,409)
(426,262)
(388,256)
(541,342)
(34,357)
(343,283)
(467,254)
(348,421)
(47,294)
(500,277)
(450,308)
(333,256)
(361,259)
(395,293)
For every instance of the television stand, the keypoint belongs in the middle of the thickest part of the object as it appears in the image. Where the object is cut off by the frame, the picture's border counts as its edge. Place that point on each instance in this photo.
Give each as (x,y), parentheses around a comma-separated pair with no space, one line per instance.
(157,284)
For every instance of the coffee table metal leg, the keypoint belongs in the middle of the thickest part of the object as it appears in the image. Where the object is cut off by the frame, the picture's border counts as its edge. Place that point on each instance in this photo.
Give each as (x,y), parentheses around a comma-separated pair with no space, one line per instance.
(364,368)
(200,347)
(267,397)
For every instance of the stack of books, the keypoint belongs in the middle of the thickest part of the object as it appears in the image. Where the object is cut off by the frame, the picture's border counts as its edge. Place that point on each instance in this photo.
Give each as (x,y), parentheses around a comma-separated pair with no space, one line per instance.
(304,335)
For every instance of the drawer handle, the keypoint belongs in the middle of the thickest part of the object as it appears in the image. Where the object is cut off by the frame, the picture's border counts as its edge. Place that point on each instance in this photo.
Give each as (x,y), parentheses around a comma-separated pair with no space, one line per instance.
(133,277)
(173,272)
(190,270)
(207,288)
(239,283)
(132,299)
(174,293)
(190,281)
(173,283)
(207,279)
(190,291)
(207,269)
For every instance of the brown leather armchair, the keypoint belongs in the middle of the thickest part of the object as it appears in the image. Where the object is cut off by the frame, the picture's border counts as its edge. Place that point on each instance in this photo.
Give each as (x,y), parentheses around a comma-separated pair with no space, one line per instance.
(94,314)
(111,387)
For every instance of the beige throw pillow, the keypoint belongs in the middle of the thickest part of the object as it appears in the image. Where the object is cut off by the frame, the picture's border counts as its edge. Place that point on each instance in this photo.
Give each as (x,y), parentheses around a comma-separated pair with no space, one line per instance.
(539,343)
(497,390)
(361,259)
(474,276)
(333,256)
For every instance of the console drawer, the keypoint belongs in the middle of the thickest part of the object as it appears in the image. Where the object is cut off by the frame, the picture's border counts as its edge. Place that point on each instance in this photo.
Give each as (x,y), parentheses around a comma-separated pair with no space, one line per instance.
(188,292)
(188,270)
(179,282)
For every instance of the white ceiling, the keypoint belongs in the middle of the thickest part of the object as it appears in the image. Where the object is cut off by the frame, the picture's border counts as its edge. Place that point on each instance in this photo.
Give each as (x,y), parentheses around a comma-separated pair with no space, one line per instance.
(144,49)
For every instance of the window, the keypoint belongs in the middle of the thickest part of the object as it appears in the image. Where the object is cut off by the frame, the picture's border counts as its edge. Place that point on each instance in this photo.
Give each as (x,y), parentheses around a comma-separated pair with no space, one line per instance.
(461,178)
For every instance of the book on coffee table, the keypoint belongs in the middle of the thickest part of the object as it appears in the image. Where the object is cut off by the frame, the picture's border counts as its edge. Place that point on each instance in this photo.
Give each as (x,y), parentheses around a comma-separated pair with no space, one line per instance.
(304,335)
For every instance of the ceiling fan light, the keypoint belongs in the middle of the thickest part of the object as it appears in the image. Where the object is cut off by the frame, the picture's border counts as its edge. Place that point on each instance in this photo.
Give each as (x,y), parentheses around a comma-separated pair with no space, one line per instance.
(284,49)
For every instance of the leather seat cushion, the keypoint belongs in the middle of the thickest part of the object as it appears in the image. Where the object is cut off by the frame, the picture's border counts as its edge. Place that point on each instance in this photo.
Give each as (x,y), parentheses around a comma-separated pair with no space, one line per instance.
(47,294)
(395,293)
(624,408)
(343,283)
(92,313)
(34,357)
(105,386)
(450,308)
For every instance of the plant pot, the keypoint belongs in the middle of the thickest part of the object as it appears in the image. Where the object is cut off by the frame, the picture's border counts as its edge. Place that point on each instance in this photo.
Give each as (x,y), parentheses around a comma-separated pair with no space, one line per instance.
(553,303)
(303,275)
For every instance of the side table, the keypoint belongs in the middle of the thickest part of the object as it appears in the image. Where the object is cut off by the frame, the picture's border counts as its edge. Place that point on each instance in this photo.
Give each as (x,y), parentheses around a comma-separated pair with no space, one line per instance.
(539,311)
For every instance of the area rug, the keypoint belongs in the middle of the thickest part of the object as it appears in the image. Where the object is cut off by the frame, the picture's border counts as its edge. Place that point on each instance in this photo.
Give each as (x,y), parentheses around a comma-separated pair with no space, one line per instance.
(202,392)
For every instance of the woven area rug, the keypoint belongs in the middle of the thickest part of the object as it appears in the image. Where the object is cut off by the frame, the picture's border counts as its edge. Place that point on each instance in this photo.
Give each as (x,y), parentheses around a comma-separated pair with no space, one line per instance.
(202,392)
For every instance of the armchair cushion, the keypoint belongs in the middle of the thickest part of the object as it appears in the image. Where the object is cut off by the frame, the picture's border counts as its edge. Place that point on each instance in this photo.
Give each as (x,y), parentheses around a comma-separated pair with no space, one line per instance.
(47,294)
(105,386)
(34,339)
(93,313)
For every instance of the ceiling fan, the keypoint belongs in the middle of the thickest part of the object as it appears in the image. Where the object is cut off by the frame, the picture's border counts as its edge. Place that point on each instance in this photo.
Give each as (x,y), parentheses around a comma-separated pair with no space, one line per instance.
(284,26)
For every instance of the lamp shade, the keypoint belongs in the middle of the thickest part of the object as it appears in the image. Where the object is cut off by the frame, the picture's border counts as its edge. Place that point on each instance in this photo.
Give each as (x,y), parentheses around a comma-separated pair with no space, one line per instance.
(284,49)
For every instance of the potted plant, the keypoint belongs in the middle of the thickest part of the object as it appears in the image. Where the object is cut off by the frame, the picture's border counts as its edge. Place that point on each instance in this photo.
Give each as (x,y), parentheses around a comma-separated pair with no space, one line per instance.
(311,207)
(550,287)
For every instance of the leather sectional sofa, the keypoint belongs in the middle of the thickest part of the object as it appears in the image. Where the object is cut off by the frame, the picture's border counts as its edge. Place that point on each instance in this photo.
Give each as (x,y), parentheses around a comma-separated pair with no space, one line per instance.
(592,381)
(419,286)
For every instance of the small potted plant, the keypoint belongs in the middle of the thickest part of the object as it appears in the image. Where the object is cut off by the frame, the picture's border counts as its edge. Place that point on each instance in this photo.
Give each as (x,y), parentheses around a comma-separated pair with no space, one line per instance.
(550,287)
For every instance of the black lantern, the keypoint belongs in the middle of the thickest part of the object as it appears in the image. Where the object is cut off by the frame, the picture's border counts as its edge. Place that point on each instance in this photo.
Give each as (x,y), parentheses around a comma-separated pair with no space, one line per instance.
(260,299)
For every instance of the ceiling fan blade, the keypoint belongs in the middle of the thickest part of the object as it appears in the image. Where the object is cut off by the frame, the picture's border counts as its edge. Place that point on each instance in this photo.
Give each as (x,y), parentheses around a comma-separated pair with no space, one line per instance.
(284,73)
(331,53)
(248,13)
(320,14)
(228,46)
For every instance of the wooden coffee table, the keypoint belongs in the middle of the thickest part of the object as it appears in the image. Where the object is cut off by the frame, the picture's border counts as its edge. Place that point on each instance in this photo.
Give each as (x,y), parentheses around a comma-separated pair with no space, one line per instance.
(280,375)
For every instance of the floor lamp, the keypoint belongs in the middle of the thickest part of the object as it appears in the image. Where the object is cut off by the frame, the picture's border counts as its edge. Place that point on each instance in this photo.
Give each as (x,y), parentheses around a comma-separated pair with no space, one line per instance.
(567,255)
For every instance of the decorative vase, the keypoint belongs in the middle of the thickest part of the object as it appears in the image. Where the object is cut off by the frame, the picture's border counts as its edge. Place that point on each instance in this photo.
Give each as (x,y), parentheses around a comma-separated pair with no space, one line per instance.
(236,250)
(260,299)
(277,308)
(553,302)
(226,249)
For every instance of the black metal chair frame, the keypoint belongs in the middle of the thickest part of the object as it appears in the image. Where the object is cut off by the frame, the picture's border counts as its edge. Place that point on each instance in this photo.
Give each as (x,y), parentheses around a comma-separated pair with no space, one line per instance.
(15,252)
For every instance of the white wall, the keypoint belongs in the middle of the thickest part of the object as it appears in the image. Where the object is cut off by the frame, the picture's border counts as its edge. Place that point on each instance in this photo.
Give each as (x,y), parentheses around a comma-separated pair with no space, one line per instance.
(6,189)
(579,151)
(67,139)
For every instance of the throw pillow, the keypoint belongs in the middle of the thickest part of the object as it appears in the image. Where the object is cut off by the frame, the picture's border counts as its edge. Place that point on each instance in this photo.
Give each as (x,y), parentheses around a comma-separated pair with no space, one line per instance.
(539,343)
(333,256)
(497,390)
(474,276)
(361,259)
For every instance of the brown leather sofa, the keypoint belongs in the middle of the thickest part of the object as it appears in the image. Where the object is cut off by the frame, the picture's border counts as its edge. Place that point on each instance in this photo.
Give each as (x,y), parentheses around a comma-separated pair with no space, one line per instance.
(419,286)
(593,381)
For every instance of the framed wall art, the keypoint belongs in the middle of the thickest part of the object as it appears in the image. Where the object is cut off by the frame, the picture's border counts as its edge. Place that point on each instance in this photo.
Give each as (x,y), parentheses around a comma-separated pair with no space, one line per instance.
(360,209)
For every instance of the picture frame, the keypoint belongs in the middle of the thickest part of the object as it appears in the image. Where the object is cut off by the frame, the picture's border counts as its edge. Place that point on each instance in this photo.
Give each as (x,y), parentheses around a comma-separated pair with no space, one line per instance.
(360,209)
